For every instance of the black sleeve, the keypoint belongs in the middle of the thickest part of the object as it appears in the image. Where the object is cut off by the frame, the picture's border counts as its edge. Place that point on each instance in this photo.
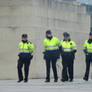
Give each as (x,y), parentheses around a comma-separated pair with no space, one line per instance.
(85,51)
(60,49)
(74,51)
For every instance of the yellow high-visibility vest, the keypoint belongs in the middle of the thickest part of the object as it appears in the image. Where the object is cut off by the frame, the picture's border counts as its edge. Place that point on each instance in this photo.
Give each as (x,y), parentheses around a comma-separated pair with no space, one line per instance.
(27,47)
(68,46)
(52,44)
(88,46)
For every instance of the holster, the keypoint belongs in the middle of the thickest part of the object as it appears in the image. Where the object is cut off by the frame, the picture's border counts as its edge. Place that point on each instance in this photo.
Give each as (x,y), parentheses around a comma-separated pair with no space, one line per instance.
(25,55)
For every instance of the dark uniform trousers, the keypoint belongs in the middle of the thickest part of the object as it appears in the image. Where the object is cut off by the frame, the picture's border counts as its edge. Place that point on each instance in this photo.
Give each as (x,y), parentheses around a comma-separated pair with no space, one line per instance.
(88,61)
(67,63)
(48,64)
(51,59)
(26,62)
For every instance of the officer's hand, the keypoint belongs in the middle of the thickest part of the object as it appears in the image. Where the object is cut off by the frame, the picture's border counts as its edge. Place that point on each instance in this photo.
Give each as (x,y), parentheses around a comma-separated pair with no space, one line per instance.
(86,53)
(43,52)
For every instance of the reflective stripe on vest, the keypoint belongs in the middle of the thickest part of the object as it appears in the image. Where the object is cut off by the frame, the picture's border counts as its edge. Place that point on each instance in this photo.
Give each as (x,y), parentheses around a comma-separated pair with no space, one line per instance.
(67,49)
(89,50)
(51,48)
(88,46)
(25,51)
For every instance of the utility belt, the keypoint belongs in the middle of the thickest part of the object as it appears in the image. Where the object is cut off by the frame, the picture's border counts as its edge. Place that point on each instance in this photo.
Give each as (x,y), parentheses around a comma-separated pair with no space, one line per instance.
(67,55)
(53,50)
(89,54)
(67,52)
(51,54)
(89,57)
(25,55)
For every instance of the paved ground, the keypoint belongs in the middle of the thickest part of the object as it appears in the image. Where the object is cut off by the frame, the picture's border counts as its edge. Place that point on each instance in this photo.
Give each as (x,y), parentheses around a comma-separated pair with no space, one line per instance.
(37,85)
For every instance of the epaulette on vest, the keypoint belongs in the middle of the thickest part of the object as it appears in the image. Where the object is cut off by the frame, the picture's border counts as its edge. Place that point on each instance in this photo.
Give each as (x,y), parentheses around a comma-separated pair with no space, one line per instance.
(29,42)
(70,43)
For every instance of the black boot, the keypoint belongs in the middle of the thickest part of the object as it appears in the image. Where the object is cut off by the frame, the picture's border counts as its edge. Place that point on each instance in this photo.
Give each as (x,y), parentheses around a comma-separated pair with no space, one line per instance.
(55,80)
(20,81)
(47,80)
(71,80)
(85,78)
(63,80)
(25,80)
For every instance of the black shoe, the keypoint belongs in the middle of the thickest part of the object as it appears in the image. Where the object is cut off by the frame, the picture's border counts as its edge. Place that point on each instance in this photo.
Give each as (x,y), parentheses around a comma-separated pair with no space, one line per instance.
(25,80)
(85,78)
(20,81)
(63,80)
(71,80)
(56,80)
(47,80)
(66,79)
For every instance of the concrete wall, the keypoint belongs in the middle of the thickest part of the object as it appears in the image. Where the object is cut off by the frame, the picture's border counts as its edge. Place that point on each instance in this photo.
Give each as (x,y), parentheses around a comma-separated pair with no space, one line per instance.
(91,21)
(34,17)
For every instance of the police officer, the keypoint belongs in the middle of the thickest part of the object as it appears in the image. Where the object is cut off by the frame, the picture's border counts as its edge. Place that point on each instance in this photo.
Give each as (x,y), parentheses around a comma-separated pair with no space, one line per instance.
(51,54)
(88,54)
(68,50)
(25,55)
